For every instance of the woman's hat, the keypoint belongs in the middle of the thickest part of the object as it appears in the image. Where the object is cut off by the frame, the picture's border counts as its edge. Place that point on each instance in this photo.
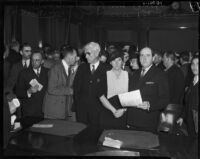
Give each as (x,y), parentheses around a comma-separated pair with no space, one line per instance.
(115,54)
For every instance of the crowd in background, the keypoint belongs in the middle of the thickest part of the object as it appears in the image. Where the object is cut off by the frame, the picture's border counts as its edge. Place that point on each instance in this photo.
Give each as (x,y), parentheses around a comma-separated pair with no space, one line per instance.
(61,75)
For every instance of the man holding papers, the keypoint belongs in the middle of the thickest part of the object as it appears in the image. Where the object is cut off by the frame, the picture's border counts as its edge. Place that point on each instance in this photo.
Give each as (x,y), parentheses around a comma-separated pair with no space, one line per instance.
(152,85)
(31,87)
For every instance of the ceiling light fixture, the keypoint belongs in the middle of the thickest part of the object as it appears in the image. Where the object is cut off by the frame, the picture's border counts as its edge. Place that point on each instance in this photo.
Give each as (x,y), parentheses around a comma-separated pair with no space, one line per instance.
(183,27)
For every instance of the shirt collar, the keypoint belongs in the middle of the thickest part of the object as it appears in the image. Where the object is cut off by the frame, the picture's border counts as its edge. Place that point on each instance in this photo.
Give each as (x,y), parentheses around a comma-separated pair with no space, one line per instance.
(95,65)
(27,62)
(196,79)
(35,70)
(146,69)
(66,66)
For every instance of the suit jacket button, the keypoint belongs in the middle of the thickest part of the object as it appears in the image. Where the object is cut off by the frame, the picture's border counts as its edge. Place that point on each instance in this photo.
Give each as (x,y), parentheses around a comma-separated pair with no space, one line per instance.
(90,81)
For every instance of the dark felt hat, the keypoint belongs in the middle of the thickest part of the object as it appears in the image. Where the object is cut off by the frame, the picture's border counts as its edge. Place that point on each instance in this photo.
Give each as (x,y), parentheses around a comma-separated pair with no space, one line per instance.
(115,54)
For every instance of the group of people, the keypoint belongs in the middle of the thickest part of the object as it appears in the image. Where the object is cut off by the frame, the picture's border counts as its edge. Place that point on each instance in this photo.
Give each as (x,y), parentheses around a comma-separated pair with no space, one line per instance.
(85,87)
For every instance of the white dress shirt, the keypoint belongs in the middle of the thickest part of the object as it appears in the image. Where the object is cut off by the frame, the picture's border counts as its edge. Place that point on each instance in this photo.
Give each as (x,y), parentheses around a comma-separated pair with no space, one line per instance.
(95,65)
(145,70)
(66,66)
(27,62)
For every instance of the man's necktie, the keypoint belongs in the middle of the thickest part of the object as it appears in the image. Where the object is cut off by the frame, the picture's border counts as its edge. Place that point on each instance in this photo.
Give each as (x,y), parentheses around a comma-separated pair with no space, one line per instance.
(69,71)
(143,73)
(25,64)
(93,69)
(38,72)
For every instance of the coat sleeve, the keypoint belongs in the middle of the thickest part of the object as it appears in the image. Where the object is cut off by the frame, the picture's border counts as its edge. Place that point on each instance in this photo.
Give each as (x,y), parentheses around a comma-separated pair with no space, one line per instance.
(55,85)
(77,86)
(163,93)
(12,79)
(21,86)
(179,84)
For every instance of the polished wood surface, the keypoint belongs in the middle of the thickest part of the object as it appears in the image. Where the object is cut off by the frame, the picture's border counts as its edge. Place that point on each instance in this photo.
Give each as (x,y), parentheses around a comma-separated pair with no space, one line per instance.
(26,142)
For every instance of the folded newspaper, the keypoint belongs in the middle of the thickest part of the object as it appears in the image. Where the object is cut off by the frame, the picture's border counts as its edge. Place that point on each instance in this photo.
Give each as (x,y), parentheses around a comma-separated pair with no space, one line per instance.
(112,143)
(130,99)
(34,82)
(13,105)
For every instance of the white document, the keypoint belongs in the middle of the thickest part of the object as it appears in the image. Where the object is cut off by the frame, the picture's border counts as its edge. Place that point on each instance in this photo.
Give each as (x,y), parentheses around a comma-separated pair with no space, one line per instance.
(112,143)
(13,118)
(42,125)
(34,82)
(130,99)
(167,118)
(13,105)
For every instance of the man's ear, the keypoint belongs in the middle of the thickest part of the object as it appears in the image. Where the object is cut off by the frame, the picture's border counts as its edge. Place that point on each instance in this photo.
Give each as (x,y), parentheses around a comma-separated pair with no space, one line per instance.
(20,52)
(42,61)
(154,56)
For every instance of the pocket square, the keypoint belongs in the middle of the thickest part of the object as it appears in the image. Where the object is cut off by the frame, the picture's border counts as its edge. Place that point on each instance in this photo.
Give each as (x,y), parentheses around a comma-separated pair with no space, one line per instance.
(150,83)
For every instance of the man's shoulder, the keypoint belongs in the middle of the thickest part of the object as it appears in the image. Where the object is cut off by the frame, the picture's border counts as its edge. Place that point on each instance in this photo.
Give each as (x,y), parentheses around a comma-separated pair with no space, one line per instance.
(17,65)
(57,65)
(25,72)
(176,70)
(158,72)
(45,69)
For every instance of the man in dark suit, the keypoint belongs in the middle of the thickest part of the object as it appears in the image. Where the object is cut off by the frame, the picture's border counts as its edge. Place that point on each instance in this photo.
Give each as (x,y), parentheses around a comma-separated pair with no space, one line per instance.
(175,78)
(18,67)
(158,60)
(31,95)
(153,85)
(87,82)
(186,68)
(12,58)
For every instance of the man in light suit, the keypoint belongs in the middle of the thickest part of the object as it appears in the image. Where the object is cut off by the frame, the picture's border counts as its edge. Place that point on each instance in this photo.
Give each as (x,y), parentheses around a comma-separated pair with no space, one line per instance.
(153,85)
(87,84)
(57,104)
(31,95)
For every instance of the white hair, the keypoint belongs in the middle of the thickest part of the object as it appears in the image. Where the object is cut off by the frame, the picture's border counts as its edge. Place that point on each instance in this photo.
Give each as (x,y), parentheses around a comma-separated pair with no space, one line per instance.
(92,47)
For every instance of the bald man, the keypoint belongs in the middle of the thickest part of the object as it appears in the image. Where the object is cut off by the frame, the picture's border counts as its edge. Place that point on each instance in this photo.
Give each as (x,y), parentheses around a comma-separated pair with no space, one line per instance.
(153,85)
(87,84)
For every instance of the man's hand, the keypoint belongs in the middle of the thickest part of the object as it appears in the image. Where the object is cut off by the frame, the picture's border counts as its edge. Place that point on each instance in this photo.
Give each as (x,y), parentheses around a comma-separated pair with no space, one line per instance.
(33,89)
(145,105)
(119,112)
(179,121)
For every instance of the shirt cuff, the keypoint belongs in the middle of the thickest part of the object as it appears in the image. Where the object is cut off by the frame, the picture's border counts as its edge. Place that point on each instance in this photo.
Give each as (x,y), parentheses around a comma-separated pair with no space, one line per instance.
(29,94)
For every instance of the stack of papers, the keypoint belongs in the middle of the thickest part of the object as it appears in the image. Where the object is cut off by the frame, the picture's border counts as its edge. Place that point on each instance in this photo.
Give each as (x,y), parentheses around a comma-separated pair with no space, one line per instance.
(13,118)
(112,143)
(42,125)
(130,99)
(34,82)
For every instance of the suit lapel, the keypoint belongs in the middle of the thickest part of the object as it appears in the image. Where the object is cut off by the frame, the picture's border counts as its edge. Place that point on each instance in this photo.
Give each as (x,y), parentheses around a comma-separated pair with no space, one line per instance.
(63,70)
(146,77)
(98,68)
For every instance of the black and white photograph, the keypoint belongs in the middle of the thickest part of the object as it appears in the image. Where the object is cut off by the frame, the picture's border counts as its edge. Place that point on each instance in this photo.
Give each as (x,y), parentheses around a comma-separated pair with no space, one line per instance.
(100,78)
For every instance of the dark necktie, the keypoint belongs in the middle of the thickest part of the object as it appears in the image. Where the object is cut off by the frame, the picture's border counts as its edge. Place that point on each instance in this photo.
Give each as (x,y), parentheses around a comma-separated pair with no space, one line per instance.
(38,72)
(25,64)
(69,70)
(93,69)
(142,73)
